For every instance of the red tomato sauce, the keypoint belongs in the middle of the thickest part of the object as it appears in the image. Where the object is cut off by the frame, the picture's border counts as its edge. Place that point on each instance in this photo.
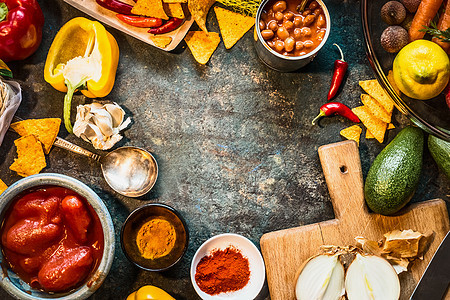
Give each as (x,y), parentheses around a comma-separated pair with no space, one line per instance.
(52,238)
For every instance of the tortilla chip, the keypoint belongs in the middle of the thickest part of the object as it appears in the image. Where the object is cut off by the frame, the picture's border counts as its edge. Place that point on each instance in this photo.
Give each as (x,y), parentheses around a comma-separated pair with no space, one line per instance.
(369,135)
(375,108)
(175,1)
(31,158)
(174,10)
(46,130)
(199,10)
(202,44)
(373,124)
(352,133)
(374,89)
(150,8)
(392,82)
(3,186)
(232,25)
(161,41)
(391,126)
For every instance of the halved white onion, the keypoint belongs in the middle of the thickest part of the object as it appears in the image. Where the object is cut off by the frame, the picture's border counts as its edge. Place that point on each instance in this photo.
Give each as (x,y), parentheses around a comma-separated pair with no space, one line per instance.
(373,278)
(321,278)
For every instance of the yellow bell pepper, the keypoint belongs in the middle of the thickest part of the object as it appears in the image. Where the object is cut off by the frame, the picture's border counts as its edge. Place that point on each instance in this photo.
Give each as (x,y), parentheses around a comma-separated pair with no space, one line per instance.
(83,56)
(150,292)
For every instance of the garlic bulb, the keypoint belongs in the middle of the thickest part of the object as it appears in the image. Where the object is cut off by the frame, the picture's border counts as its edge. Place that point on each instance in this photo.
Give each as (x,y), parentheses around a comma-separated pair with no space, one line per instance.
(373,278)
(10,98)
(100,124)
(321,278)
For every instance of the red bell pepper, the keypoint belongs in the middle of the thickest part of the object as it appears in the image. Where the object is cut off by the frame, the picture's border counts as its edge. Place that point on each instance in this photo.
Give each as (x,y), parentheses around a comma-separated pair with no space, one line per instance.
(21,23)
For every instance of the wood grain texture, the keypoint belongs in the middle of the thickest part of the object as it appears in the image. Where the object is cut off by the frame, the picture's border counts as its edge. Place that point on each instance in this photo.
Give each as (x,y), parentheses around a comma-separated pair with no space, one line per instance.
(285,251)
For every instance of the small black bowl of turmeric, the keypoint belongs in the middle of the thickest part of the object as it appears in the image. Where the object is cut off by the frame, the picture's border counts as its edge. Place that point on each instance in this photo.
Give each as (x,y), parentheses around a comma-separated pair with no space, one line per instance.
(154,237)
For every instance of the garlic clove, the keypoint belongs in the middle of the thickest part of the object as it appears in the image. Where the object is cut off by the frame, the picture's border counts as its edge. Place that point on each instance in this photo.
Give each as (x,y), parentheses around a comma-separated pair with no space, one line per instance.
(373,278)
(321,278)
(116,112)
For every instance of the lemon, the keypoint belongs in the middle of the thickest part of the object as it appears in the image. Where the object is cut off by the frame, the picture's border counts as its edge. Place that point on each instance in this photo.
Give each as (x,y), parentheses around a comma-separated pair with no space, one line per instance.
(421,70)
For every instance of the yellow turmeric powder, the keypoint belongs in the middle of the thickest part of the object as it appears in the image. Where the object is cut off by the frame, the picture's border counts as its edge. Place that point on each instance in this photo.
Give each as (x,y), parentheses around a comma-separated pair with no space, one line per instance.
(156,238)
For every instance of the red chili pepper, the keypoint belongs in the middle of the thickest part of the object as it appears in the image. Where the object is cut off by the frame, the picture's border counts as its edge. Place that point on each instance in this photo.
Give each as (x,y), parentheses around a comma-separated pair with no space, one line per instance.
(137,21)
(170,25)
(116,6)
(21,23)
(340,67)
(447,95)
(336,108)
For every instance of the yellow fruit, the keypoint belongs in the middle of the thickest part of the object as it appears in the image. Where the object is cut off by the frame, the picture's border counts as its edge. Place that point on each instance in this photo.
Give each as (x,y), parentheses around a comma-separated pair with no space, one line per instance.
(421,70)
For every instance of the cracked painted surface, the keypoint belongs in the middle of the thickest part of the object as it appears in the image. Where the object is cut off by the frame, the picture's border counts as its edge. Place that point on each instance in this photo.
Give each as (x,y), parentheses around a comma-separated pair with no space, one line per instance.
(233,138)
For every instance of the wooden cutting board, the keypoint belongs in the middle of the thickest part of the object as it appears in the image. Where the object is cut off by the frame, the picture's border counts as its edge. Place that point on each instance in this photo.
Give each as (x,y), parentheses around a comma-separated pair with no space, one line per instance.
(285,251)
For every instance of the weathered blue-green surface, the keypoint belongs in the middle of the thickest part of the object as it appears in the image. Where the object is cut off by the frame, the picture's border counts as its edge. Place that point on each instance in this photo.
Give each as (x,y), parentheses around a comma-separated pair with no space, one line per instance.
(233,138)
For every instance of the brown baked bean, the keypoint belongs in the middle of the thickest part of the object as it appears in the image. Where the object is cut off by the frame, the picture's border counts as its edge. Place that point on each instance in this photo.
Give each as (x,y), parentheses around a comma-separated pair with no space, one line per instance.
(320,35)
(267,34)
(288,25)
(299,45)
(317,11)
(308,44)
(297,33)
(279,16)
(282,33)
(279,46)
(279,6)
(321,22)
(302,53)
(289,44)
(308,20)
(298,21)
(306,12)
(289,15)
(313,5)
(262,25)
(271,43)
(273,25)
(306,31)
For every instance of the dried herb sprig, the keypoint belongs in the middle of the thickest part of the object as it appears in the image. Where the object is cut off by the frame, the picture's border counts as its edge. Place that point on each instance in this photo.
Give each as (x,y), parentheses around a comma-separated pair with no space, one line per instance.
(246,7)
(443,35)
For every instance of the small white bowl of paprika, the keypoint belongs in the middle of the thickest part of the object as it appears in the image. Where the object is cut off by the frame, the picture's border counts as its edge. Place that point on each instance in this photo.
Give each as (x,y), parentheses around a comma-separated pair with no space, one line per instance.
(228,266)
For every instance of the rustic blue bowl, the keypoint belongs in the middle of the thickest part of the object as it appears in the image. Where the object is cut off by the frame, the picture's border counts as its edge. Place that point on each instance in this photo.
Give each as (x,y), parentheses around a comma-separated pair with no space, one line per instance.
(19,289)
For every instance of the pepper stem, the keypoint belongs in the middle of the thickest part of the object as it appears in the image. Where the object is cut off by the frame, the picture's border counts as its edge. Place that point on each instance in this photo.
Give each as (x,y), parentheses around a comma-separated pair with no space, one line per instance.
(302,6)
(3,11)
(320,115)
(68,102)
(340,50)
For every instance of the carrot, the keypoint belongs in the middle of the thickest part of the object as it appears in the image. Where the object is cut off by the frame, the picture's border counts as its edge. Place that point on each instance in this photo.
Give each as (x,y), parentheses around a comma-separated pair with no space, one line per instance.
(424,15)
(444,24)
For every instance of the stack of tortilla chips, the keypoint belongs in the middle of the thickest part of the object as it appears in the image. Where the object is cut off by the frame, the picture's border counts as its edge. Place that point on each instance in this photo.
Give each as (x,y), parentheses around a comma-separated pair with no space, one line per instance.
(3,186)
(37,137)
(376,111)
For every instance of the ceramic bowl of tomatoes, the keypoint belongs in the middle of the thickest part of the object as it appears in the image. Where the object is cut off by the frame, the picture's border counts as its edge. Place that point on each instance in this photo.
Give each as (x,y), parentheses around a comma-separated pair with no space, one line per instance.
(57,238)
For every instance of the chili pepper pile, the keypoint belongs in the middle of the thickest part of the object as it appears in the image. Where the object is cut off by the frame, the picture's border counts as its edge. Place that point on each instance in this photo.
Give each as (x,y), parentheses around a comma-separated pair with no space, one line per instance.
(124,14)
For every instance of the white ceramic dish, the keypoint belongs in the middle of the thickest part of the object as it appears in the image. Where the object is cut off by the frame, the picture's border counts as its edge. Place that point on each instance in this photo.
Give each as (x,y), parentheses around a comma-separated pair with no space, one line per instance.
(108,17)
(249,250)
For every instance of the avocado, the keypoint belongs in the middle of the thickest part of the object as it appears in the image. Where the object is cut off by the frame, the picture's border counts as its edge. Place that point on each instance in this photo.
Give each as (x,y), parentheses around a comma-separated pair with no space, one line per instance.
(393,13)
(394,174)
(440,150)
(394,38)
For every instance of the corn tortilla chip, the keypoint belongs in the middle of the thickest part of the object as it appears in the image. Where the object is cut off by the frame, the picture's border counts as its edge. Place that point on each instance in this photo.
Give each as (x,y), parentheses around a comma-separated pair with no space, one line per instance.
(31,158)
(150,8)
(373,124)
(174,10)
(202,44)
(161,41)
(369,135)
(232,25)
(175,1)
(199,10)
(392,82)
(374,89)
(352,133)
(46,130)
(3,186)
(375,108)
(391,126)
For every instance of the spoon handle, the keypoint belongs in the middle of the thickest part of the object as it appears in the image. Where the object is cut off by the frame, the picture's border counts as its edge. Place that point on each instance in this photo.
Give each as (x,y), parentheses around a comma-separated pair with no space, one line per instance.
(62,143)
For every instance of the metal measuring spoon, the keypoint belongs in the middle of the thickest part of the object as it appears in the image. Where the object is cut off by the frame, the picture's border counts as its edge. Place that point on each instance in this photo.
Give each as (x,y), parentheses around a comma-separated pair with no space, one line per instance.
(130,171)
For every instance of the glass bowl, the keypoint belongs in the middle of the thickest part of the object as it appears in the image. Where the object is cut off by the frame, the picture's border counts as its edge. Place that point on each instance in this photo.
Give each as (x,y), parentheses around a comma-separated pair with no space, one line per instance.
(432,115)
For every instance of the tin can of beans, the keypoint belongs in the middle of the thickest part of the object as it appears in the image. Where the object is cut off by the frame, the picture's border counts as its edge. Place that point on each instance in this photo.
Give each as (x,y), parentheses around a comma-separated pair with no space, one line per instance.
(287,38)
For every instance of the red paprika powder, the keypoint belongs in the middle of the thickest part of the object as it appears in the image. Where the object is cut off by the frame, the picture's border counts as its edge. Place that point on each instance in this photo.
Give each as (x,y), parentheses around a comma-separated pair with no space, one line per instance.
(222,271)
